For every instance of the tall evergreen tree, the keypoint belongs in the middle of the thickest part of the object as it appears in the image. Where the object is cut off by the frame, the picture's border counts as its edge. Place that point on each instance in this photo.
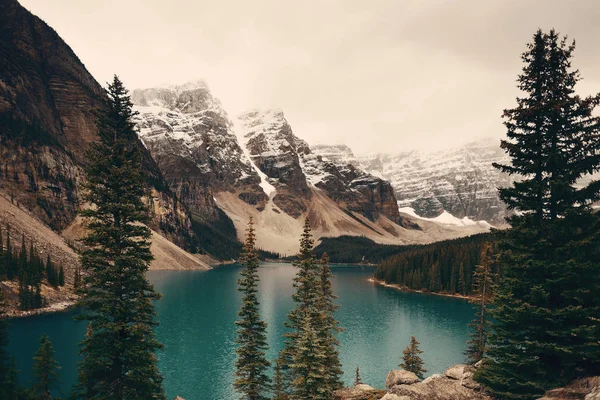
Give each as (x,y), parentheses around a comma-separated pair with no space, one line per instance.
(61,276)
(3,269)
(118,351)
(45,370)
(12,391)
(305,296)
(411,359)
(435,278)
(23,256)
(306,320)
(77,278)
(33,264)
(327,327)
(454,278)
(11,271)
(29,270)
(50,272)
(546,329)
(251,364)
(483,281)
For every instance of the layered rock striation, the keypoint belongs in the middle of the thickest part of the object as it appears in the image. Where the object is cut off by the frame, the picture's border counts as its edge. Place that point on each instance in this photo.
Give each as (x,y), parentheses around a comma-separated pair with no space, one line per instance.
(47,122)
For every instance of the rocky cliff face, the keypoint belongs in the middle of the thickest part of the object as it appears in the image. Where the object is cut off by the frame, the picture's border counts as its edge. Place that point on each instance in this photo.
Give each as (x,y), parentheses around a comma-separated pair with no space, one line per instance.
(277,152)
(460,181)
(47,103)
(289,163)
(191,138)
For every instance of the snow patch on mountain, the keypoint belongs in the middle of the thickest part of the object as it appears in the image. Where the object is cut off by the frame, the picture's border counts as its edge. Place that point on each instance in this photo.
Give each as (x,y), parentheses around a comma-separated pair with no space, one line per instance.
(313,170)
(445,218)
(265,185)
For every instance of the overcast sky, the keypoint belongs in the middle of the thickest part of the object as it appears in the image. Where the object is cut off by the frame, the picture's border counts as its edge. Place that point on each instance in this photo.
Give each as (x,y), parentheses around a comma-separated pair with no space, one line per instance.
(377,75)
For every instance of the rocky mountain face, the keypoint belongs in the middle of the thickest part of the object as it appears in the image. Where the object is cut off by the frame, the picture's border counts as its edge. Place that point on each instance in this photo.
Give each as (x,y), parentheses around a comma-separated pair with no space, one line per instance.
(191,138)
(355,189)
(460,181)
(288,163)
(277,152)
(254,163)
(47,104)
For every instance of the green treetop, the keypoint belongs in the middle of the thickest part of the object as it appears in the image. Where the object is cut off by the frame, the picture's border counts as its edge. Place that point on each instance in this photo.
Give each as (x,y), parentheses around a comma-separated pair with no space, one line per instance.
(251,364)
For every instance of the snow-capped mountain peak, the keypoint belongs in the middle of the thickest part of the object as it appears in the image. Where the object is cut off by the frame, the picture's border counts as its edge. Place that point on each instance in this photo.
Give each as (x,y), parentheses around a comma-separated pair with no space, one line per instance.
(257,166)
(460,181)
(267,132)
(188,122)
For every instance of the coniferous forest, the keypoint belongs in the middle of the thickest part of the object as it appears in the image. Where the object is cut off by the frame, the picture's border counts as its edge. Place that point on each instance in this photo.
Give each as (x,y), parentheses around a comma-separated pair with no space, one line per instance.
(446,266)
(357,250)
(24,264)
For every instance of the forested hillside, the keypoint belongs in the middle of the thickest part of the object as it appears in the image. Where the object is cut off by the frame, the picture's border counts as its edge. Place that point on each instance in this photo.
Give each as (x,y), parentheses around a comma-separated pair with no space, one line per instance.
(439,267)
(357,249)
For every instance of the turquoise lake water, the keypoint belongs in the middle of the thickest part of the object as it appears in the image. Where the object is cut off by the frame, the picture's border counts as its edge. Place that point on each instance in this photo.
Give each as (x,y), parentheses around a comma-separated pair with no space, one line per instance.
(199,308)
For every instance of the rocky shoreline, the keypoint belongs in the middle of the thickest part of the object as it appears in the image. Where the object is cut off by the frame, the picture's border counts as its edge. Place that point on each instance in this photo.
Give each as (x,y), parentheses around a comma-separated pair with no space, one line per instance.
(456,383)
(407,289)
(58,299)
(52,308)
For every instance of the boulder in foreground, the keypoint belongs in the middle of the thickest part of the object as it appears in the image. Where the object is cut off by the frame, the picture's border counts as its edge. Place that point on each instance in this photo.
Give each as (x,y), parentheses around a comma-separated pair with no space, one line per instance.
(400,377)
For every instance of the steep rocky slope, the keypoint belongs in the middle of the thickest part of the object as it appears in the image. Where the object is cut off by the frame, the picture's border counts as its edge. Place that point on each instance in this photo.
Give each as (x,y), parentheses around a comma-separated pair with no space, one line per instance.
(166,254)
(289,164)
(47,104)
(459,181)
(22,223)
(191,138)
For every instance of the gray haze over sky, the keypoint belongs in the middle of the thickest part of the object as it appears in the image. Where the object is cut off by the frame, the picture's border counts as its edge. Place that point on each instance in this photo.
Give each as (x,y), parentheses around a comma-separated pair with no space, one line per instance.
(377,75)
